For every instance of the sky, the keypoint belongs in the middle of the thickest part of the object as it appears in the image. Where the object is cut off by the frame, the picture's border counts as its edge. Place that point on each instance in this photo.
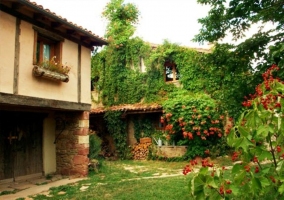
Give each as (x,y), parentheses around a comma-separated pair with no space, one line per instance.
(174,20)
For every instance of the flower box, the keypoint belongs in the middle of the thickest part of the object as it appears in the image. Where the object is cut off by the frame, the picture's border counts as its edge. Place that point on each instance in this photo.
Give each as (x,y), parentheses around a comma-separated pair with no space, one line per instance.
(45,73)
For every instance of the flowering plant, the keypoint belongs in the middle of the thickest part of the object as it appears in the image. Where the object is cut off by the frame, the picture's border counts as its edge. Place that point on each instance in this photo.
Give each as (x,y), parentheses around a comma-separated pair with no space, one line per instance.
(257,138)
(52,65)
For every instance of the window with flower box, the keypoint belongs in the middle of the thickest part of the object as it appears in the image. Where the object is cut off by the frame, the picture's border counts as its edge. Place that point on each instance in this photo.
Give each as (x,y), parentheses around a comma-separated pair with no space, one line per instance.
(46,46)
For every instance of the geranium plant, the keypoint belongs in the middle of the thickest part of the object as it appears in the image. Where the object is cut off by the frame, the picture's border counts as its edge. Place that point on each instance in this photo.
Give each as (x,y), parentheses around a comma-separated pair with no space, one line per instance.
(258,138)
(53,65)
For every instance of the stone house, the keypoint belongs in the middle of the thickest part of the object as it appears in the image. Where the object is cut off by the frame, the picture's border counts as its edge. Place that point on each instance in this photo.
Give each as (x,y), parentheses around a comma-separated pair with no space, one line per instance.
(44,116)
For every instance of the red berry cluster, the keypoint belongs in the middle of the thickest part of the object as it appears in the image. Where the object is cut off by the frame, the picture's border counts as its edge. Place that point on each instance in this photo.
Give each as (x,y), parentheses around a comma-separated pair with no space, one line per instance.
(205,163)
(235,156)
(222,190)
(269,101)
(186,170)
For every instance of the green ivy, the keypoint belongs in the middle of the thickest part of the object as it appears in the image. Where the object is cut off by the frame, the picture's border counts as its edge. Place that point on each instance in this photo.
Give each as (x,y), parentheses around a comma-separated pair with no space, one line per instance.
(143,128)
(117,128)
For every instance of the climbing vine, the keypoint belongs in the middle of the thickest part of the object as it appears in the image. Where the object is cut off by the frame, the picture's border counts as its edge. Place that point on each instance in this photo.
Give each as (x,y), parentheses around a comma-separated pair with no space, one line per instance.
(143,128)
(117,128)
(129,70)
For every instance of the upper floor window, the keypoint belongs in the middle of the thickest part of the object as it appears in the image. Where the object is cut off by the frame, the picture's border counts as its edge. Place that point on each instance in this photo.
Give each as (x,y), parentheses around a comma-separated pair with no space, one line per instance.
(46,46)
(171,72)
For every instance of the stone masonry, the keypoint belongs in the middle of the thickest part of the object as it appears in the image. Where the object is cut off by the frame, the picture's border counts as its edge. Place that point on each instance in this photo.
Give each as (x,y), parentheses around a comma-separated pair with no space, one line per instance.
(72,145)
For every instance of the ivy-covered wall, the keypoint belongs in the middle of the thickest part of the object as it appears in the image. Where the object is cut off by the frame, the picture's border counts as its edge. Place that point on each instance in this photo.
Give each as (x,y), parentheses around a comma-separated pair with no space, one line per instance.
(219,74)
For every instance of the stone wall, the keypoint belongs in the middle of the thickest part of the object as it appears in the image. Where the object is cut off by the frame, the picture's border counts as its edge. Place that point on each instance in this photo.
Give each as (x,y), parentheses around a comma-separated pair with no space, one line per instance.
(72,143)
(171,151)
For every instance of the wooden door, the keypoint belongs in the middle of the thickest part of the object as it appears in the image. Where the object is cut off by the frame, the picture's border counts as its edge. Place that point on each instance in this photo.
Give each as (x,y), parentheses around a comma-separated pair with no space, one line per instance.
(20,144)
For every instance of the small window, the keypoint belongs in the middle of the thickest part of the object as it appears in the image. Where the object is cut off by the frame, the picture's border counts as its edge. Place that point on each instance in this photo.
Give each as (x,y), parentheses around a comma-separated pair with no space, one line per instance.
(47,45)
(171,72)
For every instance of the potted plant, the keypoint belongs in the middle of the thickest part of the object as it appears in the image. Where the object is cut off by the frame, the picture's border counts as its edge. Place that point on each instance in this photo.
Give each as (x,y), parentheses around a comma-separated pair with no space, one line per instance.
(52,70)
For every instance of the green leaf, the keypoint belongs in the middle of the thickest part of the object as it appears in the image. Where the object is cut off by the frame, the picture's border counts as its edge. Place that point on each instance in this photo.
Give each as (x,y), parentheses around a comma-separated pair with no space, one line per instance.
(235,190)
(200,195)
(237,168)
(263,130)
(263,154)
(203,170)
(243,143)
(256,184)
(243,131)
(240,177)
(279,165)
(264,181)
(211,182)
(281,189)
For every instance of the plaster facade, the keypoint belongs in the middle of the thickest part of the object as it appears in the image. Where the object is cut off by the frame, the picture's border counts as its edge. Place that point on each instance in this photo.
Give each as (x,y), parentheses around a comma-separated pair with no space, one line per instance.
(62,128)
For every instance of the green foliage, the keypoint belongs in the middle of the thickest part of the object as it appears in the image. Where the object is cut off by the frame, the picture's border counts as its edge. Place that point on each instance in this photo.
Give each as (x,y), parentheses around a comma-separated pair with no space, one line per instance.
(258,142)
(193,120)
(264,48)
(143,127)
(117,128)
(95,146)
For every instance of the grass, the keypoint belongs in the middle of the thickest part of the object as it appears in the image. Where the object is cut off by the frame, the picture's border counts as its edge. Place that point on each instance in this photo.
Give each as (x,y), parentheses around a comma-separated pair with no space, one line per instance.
(119,180)
(127,180)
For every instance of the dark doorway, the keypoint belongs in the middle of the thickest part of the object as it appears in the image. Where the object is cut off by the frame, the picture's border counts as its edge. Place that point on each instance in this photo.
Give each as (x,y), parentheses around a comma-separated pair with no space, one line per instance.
(20,144)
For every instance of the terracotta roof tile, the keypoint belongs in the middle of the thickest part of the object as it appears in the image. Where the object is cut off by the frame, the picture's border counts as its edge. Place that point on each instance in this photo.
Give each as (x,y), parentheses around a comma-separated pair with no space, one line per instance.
(60,17)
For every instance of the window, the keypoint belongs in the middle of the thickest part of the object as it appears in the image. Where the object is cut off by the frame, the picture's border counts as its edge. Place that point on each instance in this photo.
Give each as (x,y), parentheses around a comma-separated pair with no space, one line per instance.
(171,72)
(46,46)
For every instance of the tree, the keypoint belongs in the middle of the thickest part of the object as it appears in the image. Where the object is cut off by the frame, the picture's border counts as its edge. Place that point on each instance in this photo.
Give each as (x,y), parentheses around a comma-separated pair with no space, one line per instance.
(236,17)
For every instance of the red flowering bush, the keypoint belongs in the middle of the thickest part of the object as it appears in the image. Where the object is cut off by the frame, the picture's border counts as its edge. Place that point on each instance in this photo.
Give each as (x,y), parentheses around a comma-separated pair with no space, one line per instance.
(258,138)
(193,120)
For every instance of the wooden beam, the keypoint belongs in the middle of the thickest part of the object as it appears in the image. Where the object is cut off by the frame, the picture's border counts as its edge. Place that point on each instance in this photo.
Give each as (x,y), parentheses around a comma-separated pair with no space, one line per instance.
(79,70)
(83,38)
(34,102)
(55,24)
(17,57)
(70,31)
(17,6)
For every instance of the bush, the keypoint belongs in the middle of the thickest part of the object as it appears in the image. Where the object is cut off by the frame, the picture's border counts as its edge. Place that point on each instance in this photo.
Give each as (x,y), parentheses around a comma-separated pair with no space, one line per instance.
(95,146)
(257,139)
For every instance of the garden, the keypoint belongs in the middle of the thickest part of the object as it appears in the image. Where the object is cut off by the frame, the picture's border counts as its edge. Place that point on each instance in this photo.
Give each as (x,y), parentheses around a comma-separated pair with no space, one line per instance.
(228,110)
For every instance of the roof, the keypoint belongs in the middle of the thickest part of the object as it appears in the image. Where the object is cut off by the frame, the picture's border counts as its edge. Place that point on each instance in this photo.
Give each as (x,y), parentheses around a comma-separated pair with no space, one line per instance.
(130,108)
(200,50)
(44,18)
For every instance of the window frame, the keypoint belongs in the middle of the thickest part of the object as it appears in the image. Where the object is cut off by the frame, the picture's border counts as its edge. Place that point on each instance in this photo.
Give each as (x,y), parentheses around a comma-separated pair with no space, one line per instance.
(55,42)
(174,69)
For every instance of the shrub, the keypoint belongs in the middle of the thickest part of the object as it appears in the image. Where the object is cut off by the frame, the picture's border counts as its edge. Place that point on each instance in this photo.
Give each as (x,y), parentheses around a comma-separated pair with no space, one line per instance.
(257,138)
